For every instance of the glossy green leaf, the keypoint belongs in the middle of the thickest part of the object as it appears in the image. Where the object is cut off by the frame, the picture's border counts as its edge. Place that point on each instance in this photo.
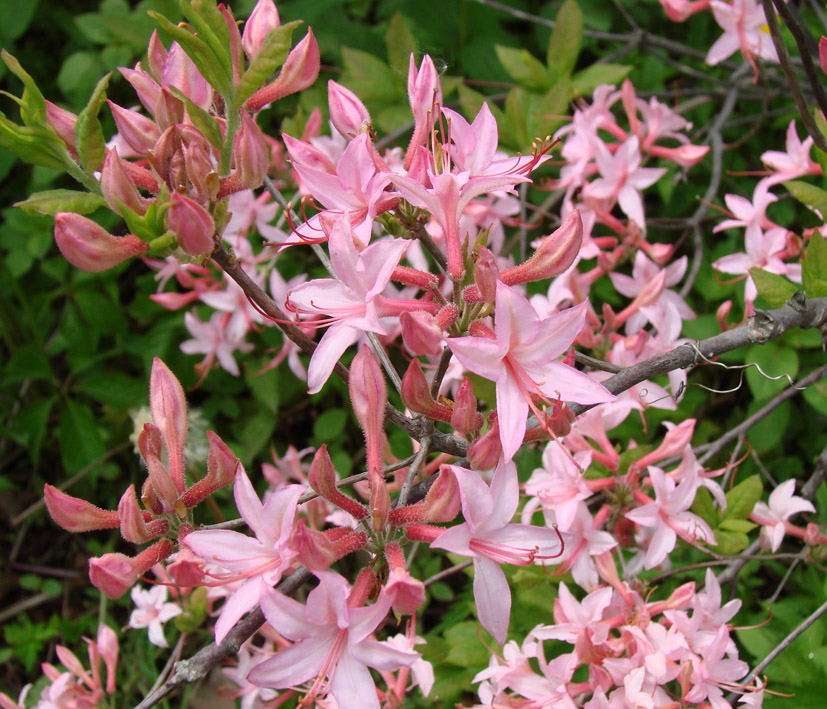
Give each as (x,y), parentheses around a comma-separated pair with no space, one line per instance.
(51,202)
(35,144)
(741,499)
(775,360)
(80,440)
(32,103)
(400,44)
(200,118)
(587,80)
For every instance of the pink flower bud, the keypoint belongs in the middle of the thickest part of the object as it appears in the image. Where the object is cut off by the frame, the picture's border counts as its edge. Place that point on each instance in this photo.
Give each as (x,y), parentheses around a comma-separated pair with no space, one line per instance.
(117,187)
(192,224)
(369,397)
(251,158)
(149,443)
(187,570)
(407,592)
(347,113)
(115,574)
(466,419)
(424,93)
(145,86)
(76,515)
(421,333)
(441,504)
(169,110)
(139,132)
(684,155)
(89,246)
(222,466)
(299,71)
(63,123)
(423,533)
(322,478)
(180,71)
(416,394)
(822,53)
(169,413)
(680,599)
(134,528)
(107,643)
(156,55)
(674,443)
(318,550)
(629,100)
(485,452)
(722,313)
(553,256)
(263,19)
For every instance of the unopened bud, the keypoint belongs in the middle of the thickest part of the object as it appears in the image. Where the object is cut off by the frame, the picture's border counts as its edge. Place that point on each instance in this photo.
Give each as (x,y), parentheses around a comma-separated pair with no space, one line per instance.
(89,246)
(63,122)
(416,394)
(465,418)
(139,132)
(117,187)
(347,113)
(222,467)
(115,574)
(554,255)
(192,224)
(486,275)
(408,593)
(822,53)
(180,71)
(300,70)
(322,478)
(76,515)
(263,19)
(485,452)
(421,333)
(134,527)
(156,55)
(684,155)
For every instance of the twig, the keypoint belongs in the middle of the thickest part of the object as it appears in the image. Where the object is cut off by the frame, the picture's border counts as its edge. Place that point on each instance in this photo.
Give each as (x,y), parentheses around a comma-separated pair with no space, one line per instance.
(450,571)
(710,449)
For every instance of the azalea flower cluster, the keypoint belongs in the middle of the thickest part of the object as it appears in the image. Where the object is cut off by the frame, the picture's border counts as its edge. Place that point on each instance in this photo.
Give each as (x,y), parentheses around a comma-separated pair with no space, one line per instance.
(413,242)
(639,653)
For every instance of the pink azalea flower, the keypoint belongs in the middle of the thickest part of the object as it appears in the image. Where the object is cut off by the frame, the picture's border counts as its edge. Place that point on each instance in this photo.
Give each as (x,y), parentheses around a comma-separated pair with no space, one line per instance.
(332,640)
(668,515)
(489,537)
(151,611)
(795,162)
(520,358)
(251,559)
(744,25)
(783,504)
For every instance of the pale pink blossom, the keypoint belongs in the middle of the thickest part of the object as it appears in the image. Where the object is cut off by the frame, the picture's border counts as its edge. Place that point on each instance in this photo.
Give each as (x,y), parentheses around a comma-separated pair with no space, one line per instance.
(152,610)
(772,517)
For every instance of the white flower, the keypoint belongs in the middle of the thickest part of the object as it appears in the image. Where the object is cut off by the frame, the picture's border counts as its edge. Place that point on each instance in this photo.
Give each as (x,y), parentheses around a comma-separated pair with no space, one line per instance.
(152,611)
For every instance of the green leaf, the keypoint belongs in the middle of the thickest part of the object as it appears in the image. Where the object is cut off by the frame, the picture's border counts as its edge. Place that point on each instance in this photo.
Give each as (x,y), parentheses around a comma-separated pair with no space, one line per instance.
(471,102)
(400,44)
(704,507)
(775,360)
(27,362)
(516,111)
(368,77)
(775,289)
(114,389)
(545,115)
(200,118)
(32,103)
(91,145)
(524,68)
(809,195)
(730,542)
(741,499)
(35,144)
(29,427)
(814,267)
(80,440)
(51,202)
(211,68)
(466,649)
(738,525)
(770,431)
(15,17)
(816,396)
(270,57)
(566,40)
(587,80)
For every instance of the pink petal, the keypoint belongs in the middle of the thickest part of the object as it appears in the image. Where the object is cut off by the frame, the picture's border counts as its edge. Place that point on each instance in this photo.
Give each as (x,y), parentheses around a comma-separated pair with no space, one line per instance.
(493,598)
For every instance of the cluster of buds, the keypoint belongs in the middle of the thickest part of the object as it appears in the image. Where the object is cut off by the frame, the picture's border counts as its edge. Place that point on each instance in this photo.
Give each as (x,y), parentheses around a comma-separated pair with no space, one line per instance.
(166,498)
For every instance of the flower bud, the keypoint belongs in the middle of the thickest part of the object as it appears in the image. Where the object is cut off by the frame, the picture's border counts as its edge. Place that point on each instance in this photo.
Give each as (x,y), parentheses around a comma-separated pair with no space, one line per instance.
(169,110)
(134,528)
(115,574)
(145,86)
(553,256)
(63,123)
(192,224)
(180,71)
(117,187)
(421,333)
(822,53)
(222,466)
(156,55)
(424,92)
(299,71)
(322,478)
(465,418)
(76,515)
(347,113)
(139,132)
(187,570)
(684,155)
(485,452)
(89,246)
(263,19)
(416,394)
(408,593)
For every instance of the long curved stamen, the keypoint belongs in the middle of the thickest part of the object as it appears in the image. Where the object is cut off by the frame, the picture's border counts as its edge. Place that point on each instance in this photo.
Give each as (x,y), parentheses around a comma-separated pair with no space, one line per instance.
(328,668)
(225,578)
